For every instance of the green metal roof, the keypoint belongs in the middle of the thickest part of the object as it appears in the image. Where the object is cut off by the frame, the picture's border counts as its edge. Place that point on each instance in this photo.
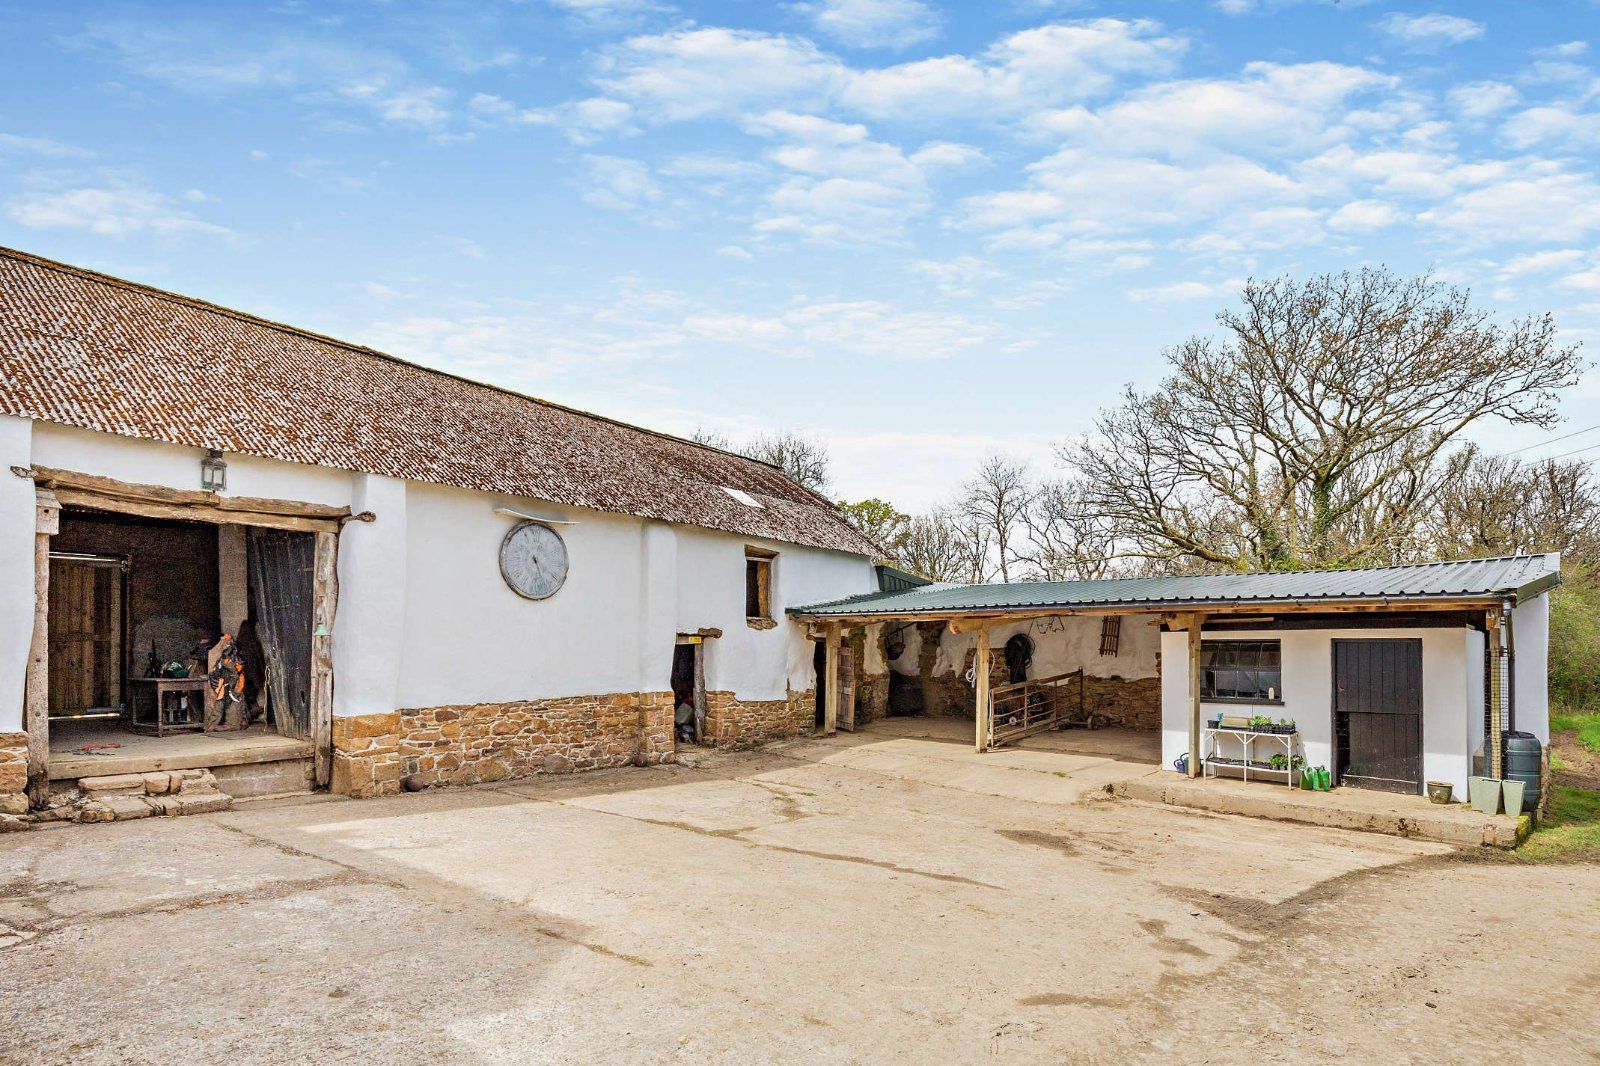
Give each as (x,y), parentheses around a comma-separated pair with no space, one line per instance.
(1517,576)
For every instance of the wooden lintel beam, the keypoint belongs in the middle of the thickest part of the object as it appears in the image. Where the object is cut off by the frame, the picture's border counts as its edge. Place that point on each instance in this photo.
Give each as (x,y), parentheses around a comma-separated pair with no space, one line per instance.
(92,490)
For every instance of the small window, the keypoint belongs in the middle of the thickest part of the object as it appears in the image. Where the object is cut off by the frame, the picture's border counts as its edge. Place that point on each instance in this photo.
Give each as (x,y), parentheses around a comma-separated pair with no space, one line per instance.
(1110,635)
(757,584)
(1247,670)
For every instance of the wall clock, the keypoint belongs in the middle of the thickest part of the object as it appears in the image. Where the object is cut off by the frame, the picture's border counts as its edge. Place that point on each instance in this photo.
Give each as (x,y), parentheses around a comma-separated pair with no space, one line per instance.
(533,560)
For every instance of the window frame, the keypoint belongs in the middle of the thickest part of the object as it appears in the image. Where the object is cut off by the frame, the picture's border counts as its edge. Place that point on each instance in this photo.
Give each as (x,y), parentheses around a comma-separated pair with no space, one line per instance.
(1208,687)
(758,563)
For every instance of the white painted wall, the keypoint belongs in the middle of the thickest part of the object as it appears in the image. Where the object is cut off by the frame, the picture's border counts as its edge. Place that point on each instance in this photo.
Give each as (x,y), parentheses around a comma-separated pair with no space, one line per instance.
(1530,627)
(1452,694)
(17,498)
(424,618)
(1059,645)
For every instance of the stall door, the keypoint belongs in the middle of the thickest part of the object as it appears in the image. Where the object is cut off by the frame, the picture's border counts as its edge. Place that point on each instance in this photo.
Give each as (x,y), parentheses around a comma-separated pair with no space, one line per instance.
(1377,713)
(86,613)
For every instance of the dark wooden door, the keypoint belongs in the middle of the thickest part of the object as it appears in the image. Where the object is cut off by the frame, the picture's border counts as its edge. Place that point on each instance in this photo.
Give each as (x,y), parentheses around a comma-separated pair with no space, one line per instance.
(1377,713)
(86,627)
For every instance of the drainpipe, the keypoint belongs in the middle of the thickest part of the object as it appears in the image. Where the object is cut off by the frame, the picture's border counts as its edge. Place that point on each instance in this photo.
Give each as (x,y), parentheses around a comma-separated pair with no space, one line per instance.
(1511,666)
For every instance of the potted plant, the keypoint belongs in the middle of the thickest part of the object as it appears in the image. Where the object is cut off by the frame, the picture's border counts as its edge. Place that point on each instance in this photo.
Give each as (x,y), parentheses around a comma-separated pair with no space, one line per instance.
(1284,727)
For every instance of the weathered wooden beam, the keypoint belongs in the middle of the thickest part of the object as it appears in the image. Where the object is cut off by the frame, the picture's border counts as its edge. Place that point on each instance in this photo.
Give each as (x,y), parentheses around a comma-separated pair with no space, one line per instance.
(324,604)
(1195,622)
(830,704)
(984,709)
(159,501)
(36,685)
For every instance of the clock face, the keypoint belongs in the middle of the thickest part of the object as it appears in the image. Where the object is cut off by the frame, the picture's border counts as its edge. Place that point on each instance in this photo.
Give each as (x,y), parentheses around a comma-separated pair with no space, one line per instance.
(533,560)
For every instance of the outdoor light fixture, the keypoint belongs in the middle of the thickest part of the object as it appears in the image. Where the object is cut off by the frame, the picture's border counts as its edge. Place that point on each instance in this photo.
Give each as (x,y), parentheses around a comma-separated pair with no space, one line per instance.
(213,472)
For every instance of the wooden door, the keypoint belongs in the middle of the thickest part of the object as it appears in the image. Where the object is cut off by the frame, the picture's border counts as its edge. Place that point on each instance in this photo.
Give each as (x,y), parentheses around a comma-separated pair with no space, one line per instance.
(281,590)
(1377,713)
(87,664)
(847,688)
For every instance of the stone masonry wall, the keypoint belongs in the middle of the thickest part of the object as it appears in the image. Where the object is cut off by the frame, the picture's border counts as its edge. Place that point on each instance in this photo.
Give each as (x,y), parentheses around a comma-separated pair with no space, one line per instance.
(1108,701)
(13,781)
(463,745)
(735,723)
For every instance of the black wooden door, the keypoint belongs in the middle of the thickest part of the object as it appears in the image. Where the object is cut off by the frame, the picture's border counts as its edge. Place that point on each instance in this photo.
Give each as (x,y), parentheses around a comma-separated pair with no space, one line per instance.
(1377,713)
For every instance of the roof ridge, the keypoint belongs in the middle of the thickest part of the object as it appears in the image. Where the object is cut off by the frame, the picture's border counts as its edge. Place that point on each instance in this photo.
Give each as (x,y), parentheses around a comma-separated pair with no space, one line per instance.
(1276,573)
(245,316)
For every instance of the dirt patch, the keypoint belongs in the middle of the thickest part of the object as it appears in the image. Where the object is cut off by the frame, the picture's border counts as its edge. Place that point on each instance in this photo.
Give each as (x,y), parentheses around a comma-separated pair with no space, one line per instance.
(1580,767)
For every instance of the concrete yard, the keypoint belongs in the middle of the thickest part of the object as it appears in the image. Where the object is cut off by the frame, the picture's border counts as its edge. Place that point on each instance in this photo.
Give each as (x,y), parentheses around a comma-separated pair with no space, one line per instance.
(886,896)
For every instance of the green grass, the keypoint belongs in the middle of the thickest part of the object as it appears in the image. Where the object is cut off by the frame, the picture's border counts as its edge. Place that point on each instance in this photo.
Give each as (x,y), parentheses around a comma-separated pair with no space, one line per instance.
(1587,726)
(1572,832)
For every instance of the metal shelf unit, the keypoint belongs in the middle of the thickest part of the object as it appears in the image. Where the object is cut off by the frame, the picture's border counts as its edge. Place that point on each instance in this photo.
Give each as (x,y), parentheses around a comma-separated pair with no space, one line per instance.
(1213,757)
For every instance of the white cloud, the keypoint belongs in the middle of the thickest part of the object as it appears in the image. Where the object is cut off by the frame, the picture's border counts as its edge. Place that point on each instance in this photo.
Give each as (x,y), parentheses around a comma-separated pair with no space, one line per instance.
(1363,215)
(111,211)
(947,155)
(1184,291)
(1537,202)
(733,251)
(619,184)
(1558,124)
(1042,67)
(1426,33)
(1519,266)
(1483,99)
(893,24)
(41,146)
(872,329)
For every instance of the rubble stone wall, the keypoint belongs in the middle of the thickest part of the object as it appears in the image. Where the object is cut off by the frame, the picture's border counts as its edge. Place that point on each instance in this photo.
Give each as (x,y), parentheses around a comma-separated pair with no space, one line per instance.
(13,781)
(463,745)
(1108,701)
(735,723)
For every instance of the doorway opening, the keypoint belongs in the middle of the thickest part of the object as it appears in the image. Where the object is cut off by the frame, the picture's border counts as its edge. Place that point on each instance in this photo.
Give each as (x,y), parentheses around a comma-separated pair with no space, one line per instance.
(689,691)
(177,645)
(1377,714)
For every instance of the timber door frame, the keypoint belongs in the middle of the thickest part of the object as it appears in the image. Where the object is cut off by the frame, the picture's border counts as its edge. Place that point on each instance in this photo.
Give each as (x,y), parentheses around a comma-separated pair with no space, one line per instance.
(1336,759)
(91,492)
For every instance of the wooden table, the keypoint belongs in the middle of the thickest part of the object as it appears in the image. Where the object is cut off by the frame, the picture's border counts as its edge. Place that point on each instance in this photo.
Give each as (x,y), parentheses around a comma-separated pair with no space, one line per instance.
(175,705)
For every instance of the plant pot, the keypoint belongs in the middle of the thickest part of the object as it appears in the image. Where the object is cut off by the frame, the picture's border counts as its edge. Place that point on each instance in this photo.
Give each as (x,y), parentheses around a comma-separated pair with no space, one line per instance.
(1441,792)
(1484,793)
(1512,791)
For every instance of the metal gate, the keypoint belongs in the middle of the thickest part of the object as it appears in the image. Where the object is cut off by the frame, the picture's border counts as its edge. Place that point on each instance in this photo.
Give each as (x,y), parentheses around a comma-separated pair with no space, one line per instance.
(1033,706)
(1377,713)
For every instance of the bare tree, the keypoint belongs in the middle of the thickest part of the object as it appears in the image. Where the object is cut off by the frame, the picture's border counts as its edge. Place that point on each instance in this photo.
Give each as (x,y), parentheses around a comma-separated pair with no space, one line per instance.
(1496,505)
(1314,433)
(993,502)
(1066,537)
(802,458)
(937,546)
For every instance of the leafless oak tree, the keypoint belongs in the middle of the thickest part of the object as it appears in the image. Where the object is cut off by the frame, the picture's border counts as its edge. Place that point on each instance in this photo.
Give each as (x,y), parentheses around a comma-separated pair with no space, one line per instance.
(1315,432)
(993,503)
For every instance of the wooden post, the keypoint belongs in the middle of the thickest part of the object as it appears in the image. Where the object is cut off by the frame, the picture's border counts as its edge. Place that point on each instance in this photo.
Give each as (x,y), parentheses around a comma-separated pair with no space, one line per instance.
(983,712)
(830,708)
(36,689)
(1493,752)
(1195,622)
(324,602)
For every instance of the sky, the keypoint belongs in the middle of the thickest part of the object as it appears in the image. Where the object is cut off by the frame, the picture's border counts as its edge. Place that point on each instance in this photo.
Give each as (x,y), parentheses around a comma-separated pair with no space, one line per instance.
(924,232)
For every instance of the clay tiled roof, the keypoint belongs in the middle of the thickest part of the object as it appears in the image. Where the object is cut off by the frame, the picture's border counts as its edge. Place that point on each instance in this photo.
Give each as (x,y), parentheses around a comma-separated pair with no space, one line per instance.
(83,349)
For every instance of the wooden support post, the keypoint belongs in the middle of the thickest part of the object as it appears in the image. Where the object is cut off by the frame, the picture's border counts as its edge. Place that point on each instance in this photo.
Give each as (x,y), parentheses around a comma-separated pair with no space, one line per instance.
(1195,622)
(830,707)
(1493,750)
(324,602)
(36,688)
(983,711)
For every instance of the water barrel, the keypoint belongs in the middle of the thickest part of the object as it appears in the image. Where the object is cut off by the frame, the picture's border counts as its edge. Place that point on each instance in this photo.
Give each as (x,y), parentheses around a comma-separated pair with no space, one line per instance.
(1522,764)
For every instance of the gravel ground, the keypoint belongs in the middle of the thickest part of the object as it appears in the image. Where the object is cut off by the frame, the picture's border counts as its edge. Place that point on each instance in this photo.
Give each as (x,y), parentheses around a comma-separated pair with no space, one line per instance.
(865,899)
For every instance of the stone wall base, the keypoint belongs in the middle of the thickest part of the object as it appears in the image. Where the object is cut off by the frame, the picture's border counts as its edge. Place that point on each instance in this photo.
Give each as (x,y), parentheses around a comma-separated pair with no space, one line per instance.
(735,723)
(464,745)
(13,782)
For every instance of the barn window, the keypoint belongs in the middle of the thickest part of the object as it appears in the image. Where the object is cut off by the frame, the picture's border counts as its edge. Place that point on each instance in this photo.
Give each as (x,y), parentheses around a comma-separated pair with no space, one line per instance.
(758,584)
(1249,670)
(1110,634)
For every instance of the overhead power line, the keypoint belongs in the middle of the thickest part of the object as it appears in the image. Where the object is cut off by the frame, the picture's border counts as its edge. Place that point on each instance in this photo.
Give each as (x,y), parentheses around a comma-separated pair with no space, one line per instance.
(1575,451)
(1554,440)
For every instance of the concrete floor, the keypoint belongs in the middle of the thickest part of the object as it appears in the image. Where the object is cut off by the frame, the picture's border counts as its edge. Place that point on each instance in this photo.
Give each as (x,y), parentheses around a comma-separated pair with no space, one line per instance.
(883,896)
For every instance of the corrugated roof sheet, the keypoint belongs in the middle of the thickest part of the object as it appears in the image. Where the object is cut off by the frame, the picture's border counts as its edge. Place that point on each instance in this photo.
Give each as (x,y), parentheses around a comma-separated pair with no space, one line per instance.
(1466,579)
(87,350)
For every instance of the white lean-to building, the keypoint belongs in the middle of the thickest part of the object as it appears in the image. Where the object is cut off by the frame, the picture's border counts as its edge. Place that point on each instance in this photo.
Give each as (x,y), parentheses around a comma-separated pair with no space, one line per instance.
(445,582)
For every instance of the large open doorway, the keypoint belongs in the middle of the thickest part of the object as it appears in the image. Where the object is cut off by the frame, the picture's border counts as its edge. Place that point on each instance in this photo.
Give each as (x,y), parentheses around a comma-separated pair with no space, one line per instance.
(177,644)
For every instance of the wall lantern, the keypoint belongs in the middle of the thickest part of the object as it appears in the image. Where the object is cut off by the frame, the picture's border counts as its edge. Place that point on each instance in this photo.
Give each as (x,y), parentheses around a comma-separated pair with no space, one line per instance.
(213,472)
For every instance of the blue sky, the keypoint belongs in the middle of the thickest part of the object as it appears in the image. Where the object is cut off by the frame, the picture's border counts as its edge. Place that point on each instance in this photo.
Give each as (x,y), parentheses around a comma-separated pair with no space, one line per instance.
(923,231)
